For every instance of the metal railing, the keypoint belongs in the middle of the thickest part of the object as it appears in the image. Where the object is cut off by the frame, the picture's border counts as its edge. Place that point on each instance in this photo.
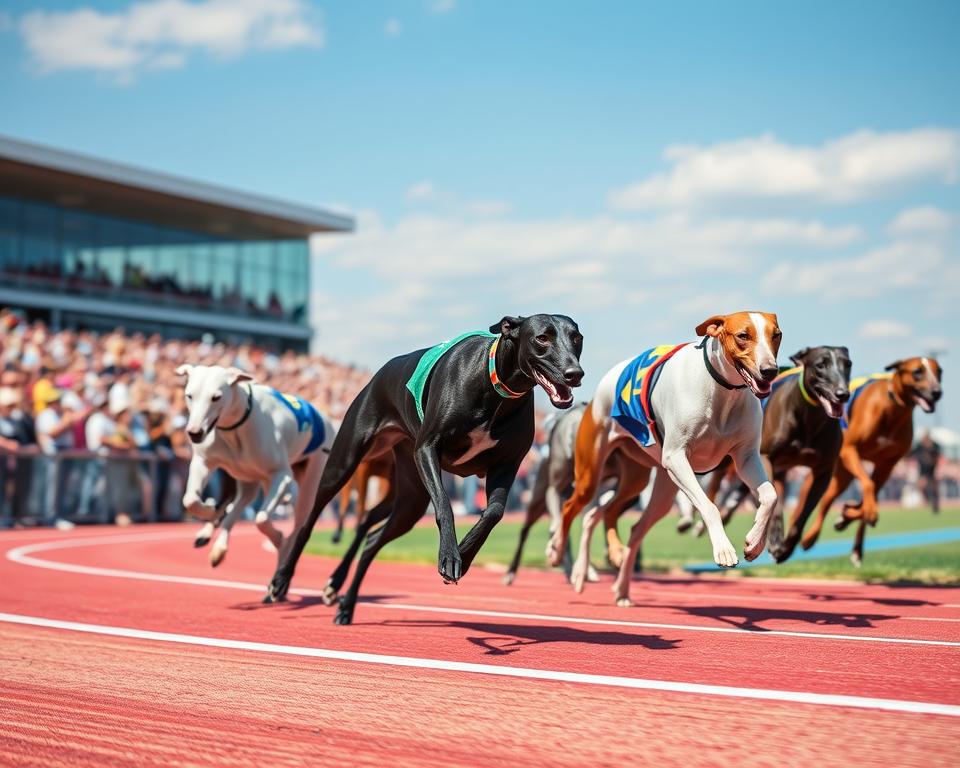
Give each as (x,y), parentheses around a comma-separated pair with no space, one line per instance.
(89,487)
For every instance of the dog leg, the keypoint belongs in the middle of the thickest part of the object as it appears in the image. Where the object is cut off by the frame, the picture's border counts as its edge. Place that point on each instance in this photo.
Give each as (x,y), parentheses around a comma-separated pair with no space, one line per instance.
(752,470)
(590,454)
(449,562)
(245,494)
(499,480)
(204,534)
(661,500)
(674,459)
(812,491)
(531,518)
(197,477)
(376,516)
(867,509)
(282,485)
(410,502)
(856,555)
(838,484)
(581,565)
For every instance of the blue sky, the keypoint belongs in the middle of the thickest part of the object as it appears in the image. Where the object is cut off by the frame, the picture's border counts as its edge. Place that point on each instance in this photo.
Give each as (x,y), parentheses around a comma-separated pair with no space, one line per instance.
(638,166)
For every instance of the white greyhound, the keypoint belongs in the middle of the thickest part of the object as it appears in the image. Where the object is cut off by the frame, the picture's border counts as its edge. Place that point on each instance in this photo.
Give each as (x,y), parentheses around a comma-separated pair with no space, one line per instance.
(705,408)
(262,438)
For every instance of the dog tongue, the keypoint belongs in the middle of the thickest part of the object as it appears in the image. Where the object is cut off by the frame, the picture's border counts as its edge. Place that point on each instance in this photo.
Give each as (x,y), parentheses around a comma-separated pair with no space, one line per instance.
(553,391)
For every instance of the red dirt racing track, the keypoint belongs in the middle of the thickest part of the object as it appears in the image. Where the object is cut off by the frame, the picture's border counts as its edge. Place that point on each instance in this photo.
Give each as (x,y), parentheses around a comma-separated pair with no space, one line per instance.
(126,648)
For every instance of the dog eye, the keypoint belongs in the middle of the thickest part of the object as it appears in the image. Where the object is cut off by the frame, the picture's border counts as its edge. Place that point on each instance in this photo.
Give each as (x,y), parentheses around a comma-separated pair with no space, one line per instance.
(918,374)
(543,340)
(743,336)
(189,397)
(216,397)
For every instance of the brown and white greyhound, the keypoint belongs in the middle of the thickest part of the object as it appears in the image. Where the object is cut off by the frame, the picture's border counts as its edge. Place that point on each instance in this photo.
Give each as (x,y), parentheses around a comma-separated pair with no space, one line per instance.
(880,430)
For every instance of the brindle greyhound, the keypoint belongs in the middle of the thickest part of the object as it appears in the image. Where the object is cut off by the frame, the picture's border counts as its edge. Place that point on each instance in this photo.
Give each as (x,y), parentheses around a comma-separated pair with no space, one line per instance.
(880,431)
(554,483)
(801,428)
(477,419)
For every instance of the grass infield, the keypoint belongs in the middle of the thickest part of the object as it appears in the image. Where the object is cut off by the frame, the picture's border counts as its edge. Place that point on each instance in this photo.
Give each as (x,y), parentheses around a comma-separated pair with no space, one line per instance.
(665,550)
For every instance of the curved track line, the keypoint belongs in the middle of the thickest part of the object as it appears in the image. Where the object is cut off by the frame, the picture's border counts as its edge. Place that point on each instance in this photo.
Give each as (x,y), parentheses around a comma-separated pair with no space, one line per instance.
(22,556)
(794,697)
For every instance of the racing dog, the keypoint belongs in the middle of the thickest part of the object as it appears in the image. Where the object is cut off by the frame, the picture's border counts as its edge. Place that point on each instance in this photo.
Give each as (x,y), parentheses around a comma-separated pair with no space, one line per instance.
(379,469)
(465,406)
(683,409)
(879,429)
(801,427)
(261,438)
(553,484)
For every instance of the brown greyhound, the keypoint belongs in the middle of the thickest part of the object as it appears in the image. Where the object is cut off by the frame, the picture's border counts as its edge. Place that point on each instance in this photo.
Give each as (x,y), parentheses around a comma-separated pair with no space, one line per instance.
(879,430)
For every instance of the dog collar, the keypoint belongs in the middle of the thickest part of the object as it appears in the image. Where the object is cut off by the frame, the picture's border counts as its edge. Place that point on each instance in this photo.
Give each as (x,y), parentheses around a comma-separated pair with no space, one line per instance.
(893,395)
(246,413)
(714,372)
(499,387)
(803,389)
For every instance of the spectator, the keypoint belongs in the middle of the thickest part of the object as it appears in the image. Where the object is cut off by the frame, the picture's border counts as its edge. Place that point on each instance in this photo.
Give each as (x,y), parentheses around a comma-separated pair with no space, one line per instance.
(17,436)
(54,434)
(927,454)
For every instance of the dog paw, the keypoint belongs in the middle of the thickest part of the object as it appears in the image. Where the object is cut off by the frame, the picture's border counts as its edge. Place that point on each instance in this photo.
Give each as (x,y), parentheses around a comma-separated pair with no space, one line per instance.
(344,613)
(277,589)
(592,576)
(753,545)
(450,567)
(578,576)
(203,535)
(329,594)
(842,522)
(336,535)
(216,555)
(508,578)
(624,602)
(725,555)
(855,560)
(555,549)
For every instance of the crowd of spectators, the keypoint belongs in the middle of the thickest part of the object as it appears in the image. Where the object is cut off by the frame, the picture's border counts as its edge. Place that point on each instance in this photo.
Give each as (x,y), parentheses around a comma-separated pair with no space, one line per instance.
(91,425)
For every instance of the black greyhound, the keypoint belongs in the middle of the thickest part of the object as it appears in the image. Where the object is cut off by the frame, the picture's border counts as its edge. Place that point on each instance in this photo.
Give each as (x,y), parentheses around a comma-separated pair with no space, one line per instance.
(801,427)
(477,419)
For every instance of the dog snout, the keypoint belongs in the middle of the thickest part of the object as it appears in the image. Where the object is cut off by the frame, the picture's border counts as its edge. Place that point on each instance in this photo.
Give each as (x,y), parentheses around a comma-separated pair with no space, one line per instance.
(936,395)
(842,395)
(573,376)
(196,436)
(769,372)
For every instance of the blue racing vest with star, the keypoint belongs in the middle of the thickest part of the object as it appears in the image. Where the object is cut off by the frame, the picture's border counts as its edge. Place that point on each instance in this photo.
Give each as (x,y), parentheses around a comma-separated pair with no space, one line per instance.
(632,406)
(308,418)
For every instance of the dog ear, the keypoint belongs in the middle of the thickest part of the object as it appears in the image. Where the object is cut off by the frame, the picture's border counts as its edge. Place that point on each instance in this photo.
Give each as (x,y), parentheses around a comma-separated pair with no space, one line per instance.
(893,366)
(235,376)
(184,370)
(797,358)
(508,327)
(711,326)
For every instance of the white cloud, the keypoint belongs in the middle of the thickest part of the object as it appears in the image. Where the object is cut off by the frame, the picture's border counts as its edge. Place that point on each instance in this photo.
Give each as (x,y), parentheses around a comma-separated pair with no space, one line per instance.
(161,34)
(924,220)
(853,167)
(885,329)
(393,28)
(895,266)
(422,190)
(442,6)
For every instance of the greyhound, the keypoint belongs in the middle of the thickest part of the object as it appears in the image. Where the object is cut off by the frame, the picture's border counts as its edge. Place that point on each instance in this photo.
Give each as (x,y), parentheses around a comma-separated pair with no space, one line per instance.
(879,430)
(465,406)
(801,427)
(261,438)
(378,470)
(704,408)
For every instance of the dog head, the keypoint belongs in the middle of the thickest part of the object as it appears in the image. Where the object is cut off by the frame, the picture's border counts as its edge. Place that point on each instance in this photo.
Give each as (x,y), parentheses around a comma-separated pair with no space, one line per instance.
(548,351)
(918,379)
(750,341)
(826,376)
(210,390)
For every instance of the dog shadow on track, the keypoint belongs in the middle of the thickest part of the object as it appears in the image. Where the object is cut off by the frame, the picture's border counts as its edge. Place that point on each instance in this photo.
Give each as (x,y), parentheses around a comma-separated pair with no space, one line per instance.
(752,618)
(503,639)
(303,602)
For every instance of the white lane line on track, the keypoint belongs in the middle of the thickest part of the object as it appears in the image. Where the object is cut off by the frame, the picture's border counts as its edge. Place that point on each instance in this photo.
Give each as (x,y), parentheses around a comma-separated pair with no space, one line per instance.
(793,697)
(22,555)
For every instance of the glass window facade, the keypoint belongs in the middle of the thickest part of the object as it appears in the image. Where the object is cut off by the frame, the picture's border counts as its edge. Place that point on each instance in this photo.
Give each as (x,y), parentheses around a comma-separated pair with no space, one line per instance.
(50,248)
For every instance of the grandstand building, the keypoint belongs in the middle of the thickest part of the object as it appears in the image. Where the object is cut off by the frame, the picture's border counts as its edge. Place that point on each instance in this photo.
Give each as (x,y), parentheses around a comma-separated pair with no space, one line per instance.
(87,243)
